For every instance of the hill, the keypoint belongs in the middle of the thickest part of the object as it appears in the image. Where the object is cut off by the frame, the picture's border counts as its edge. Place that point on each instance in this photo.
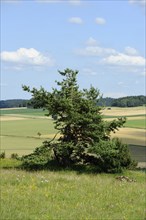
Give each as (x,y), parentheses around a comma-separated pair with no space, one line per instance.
(128,101)
(13,103)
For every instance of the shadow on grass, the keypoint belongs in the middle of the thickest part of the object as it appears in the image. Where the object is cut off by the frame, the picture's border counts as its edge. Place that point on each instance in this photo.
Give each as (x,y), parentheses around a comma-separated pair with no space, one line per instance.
(138,153)
(79,169)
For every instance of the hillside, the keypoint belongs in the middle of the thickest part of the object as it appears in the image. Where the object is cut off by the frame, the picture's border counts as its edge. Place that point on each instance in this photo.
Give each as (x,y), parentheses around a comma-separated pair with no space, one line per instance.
(129,101)
(13,103)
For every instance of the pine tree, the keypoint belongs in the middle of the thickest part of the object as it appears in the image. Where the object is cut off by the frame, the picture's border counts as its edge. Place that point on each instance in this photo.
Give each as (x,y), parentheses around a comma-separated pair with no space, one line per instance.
(77,118)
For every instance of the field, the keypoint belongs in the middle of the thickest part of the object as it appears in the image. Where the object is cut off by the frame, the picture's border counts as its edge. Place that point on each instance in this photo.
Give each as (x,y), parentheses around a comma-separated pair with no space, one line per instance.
(51,195)
(68,194)
(24,129)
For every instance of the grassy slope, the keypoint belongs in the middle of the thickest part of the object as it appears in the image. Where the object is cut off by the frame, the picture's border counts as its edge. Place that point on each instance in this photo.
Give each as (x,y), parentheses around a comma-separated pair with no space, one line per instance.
(34,112)
(20,136)
(70,195)
(139,123)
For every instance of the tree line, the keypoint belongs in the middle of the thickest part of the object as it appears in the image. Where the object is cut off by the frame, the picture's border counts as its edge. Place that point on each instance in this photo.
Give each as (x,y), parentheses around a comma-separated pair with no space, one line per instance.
(129,101)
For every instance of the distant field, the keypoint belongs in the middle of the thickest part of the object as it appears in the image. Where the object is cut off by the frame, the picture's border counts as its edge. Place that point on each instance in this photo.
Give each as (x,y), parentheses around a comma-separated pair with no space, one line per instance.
(115,111)
(138,123)
(22,135)
(20,128)
(23,111)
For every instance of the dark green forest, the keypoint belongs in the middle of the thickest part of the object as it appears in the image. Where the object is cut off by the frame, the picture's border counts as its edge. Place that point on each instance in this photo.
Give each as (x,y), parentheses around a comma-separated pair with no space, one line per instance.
(129,101)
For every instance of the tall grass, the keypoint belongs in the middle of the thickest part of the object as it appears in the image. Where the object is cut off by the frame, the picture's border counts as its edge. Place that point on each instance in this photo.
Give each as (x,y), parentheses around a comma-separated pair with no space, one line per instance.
(70,195)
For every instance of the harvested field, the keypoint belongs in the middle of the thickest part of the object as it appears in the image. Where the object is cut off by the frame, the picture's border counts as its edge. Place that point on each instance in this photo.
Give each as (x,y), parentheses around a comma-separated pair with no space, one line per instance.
(128,118)
(132,136)
(124,111)
(10,118)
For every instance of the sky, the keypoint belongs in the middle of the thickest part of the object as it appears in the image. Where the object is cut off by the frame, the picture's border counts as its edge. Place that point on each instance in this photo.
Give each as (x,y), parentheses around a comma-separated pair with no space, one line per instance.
(103,39)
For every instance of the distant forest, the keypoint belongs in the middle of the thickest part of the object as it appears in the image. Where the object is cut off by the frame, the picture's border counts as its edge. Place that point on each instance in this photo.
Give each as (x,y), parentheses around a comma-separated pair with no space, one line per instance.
(129,101)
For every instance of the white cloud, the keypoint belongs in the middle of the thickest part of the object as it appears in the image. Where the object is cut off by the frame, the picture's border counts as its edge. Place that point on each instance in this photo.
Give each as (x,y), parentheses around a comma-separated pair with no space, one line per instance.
(100,21)
(114,94)
(120,83)
(95,51)
(91,42)
(3,84)
(75,2)
(138,2)
(131,51)
(49,1)
(143,73)
(89,71)
(24,57)
(11,1)
(76,20)
(122,59)
(72,2)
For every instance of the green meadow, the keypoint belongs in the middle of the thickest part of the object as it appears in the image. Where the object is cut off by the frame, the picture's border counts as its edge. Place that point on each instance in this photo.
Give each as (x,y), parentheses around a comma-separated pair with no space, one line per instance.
(138,123)
(24,129)
(65,194)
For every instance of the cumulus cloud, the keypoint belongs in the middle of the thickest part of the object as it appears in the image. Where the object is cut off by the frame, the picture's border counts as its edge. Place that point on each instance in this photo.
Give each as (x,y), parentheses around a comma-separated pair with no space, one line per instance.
(75,2)
(91,42)
(75,20)
(122,59)
(100,21)
(89,71)
(95,51)
(109,56)
(138,2)
(11,1)
(144,72)
(115,94)
(24,57)
(131,51)
(49,1)
(72,2)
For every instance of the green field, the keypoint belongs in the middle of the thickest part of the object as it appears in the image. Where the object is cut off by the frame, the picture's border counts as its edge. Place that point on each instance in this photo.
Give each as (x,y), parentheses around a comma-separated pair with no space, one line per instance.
(68,195)
(21,136)
(138,123)
(27,111)
(65,194)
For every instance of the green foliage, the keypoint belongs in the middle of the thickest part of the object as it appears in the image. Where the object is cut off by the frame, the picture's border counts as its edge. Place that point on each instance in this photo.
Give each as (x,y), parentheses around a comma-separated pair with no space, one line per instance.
(39,158)
(2,155)
(78,119)
(13,103)
(110,156)
(130,101)
(14,156)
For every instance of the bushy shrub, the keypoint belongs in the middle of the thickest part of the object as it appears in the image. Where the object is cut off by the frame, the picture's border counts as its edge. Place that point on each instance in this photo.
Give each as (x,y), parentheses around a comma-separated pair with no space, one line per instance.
(39,158)
(14,156)
(2,155)
(110,156)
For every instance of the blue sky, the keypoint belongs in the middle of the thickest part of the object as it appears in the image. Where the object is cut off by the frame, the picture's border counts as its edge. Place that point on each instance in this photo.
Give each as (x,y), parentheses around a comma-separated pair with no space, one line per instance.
(104,40)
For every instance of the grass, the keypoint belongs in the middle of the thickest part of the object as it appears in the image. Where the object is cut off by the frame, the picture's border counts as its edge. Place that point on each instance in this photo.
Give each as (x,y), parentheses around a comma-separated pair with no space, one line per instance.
(27,128)
(22,136)
(68,195)
(64,194)
(27,111)
(139,123)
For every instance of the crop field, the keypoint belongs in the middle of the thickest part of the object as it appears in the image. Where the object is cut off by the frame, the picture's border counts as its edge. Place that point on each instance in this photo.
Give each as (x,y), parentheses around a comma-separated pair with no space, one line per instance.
(67,194)
(24,129)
